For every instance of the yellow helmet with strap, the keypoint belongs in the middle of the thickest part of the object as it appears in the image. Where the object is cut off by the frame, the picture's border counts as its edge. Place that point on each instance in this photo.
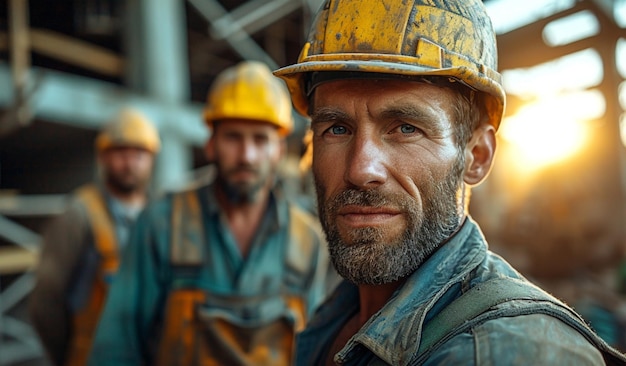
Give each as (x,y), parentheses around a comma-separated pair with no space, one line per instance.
(452,39)
(249,91)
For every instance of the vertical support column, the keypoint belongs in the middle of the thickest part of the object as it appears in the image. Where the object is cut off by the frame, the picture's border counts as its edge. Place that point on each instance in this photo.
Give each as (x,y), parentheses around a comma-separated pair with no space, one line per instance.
(615,154)
(20,55)
(158,67)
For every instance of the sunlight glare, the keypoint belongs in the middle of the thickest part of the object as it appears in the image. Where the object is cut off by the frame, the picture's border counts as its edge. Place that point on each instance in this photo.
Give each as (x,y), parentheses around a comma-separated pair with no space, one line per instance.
(545,133)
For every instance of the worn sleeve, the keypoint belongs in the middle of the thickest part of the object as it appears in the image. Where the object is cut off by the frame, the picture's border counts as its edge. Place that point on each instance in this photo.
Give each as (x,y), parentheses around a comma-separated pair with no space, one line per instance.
(65,240)
(523,340)
(127,330)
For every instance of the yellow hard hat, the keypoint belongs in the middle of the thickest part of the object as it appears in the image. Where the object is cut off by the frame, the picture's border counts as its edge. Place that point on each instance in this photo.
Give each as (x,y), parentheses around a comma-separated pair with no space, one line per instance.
(129,128)
(452,39)
(250,91)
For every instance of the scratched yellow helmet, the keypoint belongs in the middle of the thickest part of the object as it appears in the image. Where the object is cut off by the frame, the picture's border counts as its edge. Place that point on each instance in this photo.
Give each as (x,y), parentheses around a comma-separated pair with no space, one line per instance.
(129,128)
(452,39)
(250,91)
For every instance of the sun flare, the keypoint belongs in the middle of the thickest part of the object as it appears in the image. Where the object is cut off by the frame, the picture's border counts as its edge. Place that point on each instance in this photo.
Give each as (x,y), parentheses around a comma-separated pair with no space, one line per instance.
(542,134)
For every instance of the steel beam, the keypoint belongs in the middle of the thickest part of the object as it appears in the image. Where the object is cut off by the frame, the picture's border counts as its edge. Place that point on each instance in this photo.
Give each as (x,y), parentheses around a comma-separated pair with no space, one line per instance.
(511,55)
(25,346)
(252,16)
(162,57)
(90,103)
(239,39)
(18,234)
(17,291)
(32,205)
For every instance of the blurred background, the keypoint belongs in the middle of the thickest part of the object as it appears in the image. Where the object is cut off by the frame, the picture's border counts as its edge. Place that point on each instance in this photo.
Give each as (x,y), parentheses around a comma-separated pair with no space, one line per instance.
(554,205)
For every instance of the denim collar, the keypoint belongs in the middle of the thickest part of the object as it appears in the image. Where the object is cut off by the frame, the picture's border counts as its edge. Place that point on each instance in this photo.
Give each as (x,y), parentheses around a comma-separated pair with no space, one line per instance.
(394,332)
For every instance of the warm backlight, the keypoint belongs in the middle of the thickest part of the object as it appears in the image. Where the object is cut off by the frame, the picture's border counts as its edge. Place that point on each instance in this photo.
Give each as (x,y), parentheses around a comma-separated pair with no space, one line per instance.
(543,134)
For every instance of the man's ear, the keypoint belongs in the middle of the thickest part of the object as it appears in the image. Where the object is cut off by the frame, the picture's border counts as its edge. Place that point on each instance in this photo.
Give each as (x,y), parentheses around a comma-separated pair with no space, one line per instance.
(479,154)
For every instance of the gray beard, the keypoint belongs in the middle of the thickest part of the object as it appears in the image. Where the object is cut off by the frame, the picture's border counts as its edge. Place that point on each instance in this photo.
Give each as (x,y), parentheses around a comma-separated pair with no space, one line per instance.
(366,259)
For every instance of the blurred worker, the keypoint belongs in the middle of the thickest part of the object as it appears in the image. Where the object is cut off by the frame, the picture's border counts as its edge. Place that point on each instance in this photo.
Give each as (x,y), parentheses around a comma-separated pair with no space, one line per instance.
(224,274)
(405,101)
(81,247)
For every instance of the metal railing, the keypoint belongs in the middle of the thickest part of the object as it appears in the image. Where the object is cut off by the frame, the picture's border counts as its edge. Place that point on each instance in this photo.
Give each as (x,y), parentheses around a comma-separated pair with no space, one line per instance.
(18,340)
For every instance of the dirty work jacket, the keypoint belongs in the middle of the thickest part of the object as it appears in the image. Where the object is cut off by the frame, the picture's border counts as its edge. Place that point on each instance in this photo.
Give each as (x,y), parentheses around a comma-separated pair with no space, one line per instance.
(132,322)
(79,258)
(393,334)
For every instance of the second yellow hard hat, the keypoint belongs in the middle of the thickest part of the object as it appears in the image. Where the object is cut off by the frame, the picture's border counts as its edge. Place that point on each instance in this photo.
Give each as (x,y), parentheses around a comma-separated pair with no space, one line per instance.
(249,91)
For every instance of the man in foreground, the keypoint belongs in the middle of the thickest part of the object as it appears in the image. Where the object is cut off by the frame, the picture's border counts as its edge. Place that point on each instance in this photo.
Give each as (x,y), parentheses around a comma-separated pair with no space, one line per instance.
(405,101)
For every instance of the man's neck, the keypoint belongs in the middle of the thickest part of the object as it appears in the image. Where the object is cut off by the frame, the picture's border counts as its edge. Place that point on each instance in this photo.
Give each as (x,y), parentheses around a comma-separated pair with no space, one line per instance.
(373,297)
(136,198)
(244,219)
(245,211)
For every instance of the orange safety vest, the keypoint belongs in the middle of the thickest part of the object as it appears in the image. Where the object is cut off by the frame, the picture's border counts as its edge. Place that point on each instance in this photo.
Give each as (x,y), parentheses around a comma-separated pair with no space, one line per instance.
(105,241)
(195,334)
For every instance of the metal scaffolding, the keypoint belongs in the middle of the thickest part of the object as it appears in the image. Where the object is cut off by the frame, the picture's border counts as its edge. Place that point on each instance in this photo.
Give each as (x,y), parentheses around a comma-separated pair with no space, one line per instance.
(155,74)
(156,81)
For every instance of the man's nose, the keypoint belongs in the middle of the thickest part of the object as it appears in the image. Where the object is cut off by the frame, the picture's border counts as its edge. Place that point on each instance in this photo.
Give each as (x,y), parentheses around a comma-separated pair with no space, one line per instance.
(249,151)
(366,163)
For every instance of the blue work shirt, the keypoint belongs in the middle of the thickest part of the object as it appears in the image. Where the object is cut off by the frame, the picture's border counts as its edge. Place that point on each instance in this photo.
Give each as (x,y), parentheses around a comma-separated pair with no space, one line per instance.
(392,335)
(129,328)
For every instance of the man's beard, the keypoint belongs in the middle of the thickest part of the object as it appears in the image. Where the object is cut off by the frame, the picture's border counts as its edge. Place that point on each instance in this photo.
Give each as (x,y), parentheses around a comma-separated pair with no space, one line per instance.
(367,259)
(241,192)
(126,182)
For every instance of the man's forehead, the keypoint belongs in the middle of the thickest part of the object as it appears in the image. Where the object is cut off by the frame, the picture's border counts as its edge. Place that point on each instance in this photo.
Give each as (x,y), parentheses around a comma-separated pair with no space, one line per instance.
(318,78)
(400,92)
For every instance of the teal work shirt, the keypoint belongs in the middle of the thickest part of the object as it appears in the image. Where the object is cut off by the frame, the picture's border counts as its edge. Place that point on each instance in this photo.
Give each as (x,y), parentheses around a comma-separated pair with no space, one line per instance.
(129,329)
(392,335)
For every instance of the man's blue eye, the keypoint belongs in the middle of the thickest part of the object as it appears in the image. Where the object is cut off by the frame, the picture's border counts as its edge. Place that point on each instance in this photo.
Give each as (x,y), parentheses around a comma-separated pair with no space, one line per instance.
(407,129)
(338,130)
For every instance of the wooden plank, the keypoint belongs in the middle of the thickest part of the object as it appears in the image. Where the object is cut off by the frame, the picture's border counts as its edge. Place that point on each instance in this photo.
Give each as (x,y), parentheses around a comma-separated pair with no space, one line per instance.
(19,49)
(19,42)
(76,52)
(17,260)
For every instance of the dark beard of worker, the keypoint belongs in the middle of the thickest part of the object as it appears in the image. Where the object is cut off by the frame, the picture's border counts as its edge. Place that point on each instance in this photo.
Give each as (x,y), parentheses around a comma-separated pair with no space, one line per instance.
(124,184)
(240,193)
(369,260)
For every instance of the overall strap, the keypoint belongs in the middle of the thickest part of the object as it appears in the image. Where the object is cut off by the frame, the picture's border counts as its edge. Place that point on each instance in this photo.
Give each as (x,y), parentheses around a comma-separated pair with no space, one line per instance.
(85,320)
(478,305)
(179,338)
(187,242)
(101,225)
